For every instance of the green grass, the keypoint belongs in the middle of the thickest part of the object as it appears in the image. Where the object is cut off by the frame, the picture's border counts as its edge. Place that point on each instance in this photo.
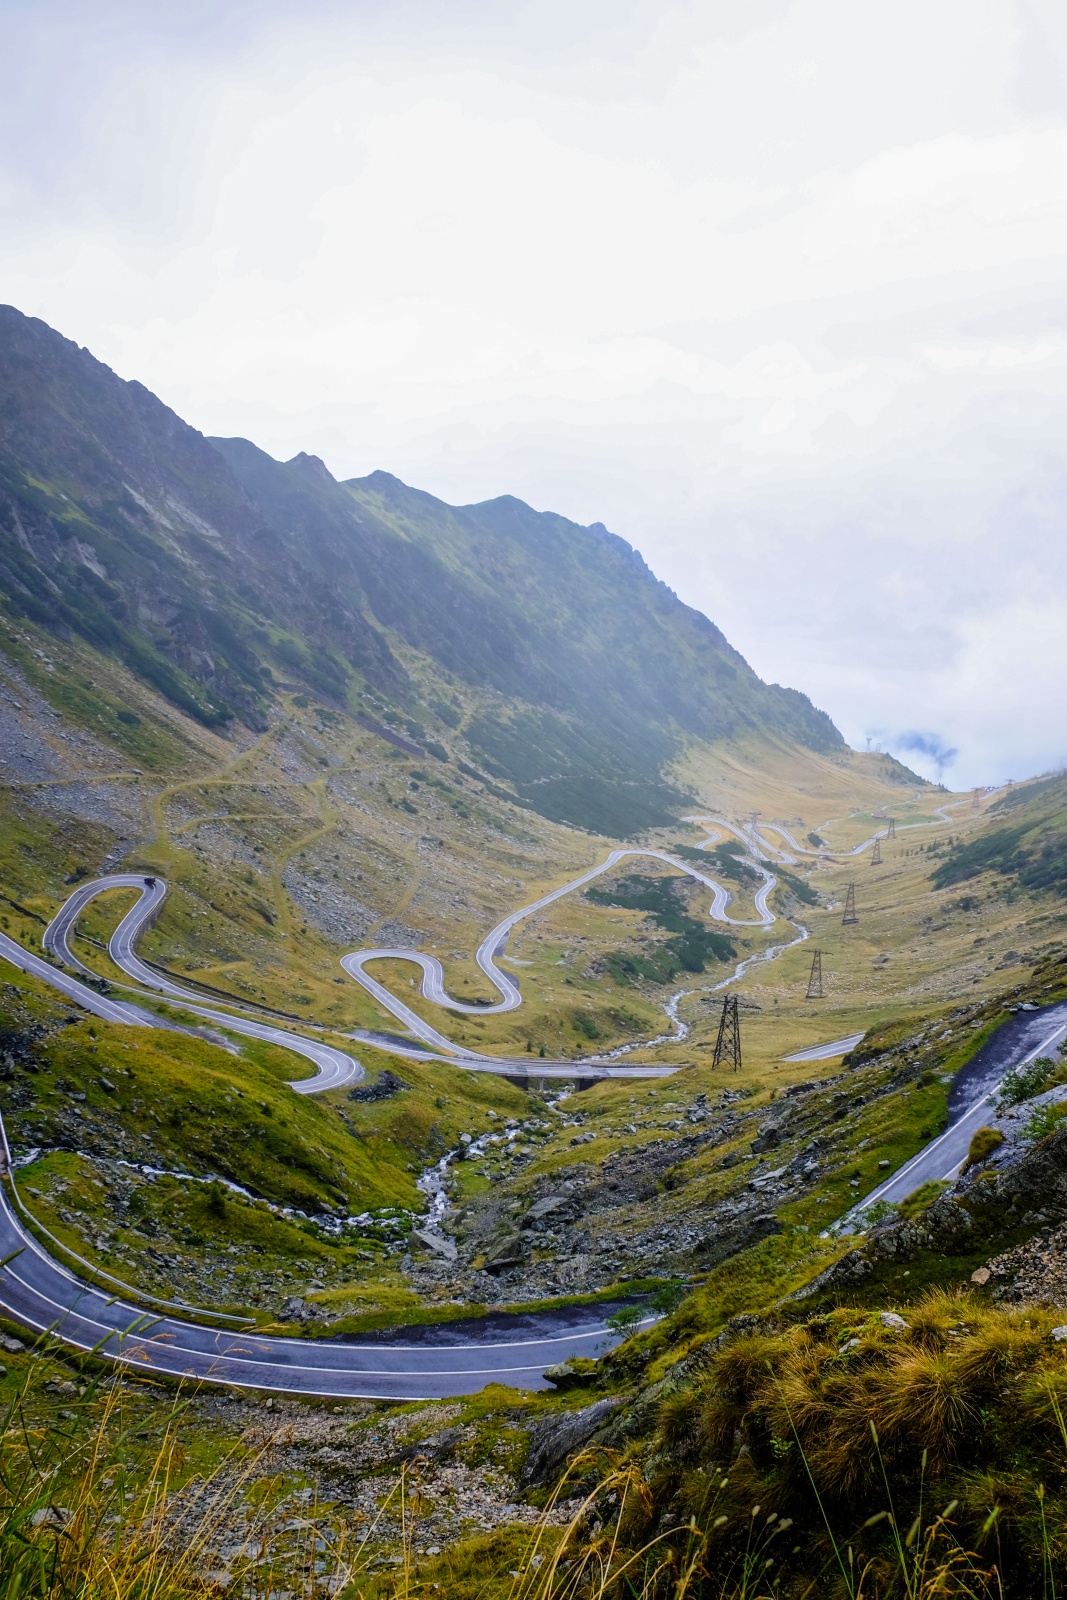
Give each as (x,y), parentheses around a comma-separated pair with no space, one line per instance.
(186,1105)
(691,945)
(88,698)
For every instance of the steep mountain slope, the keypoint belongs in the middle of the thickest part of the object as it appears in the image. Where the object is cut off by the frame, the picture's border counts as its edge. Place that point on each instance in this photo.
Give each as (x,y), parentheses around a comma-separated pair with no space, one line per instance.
(1025,845)
(545,652)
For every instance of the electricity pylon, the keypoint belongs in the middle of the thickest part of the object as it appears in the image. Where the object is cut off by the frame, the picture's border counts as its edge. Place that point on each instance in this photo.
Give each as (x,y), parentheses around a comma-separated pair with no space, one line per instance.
(815,980)
(728,1044)
(876,857)
(975,798)
(891,831)
(850,907)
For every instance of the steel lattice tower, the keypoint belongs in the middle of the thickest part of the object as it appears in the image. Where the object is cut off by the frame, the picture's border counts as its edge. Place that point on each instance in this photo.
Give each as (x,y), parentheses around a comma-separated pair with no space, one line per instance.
(815,980)
(876,857)
(728,1044)
(850,907)
(891,831)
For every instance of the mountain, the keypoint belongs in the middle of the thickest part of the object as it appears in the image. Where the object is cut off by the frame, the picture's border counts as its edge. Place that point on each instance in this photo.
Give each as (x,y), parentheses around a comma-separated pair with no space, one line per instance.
(545,654)
(1024,843)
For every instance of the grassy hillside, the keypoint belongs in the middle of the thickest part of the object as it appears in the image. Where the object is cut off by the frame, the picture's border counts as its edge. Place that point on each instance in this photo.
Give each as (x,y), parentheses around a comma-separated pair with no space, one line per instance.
(544,653)
(1027,850)
(334,716)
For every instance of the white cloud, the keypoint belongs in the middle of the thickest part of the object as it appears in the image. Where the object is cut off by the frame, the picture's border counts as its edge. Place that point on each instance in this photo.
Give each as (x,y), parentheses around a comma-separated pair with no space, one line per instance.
(772,289)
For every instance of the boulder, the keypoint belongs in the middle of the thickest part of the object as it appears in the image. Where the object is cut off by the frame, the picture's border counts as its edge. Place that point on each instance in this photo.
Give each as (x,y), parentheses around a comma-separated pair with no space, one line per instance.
(304,1311)
(548,1205)
(437,1242)
(557,1437)
(773,1131)
(568,1375)
(384,1087)
(503,1253)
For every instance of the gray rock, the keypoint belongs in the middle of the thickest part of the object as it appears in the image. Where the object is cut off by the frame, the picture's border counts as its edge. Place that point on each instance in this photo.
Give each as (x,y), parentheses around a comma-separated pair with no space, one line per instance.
(773,1131)
(437,1448)
(890,1319)
(557,1437)
(564,1376)
(545,1207)
(436,1242)
(384,1087)
(303,1311)
(505,1252)
(727,1240)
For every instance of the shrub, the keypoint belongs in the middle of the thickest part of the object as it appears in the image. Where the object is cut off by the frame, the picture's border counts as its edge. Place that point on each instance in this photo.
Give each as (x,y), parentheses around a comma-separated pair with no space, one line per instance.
(625,1322)
(854,1429)
(1044,1120)
(667,1299)
(982,1145)
(924,1196)
(1026,1081)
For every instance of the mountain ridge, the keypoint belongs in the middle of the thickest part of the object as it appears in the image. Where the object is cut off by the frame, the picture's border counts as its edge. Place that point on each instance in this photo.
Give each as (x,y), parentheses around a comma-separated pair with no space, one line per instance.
(546,652)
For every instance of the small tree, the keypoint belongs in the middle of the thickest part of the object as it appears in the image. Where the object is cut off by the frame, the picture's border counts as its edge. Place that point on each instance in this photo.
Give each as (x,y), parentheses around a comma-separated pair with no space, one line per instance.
(625,1322)
(668,1298)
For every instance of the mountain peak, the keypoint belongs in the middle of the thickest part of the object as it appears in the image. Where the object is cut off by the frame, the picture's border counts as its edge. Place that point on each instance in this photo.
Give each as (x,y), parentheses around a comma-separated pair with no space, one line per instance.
(582,676)
(311,467)
(378,482)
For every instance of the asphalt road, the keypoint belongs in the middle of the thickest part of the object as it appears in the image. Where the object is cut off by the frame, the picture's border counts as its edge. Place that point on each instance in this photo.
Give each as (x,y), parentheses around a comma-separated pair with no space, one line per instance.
(941,1159)
(90,1000)
(335,1068)
(826,1052)
(842,855)
(495,943)
(39,1294)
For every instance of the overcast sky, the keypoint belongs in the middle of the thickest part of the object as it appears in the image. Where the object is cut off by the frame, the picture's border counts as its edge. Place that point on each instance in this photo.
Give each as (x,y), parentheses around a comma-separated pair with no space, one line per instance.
(775,290)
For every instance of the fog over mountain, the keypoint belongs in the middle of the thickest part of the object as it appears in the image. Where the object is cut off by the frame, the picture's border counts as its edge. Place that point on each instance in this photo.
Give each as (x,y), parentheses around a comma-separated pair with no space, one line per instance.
(217,574)
(774,291)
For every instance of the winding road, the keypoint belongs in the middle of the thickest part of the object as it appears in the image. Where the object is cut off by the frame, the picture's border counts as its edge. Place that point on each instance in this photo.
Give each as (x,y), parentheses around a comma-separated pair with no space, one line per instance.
(335,1067)
(39,1293)
(494,944)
